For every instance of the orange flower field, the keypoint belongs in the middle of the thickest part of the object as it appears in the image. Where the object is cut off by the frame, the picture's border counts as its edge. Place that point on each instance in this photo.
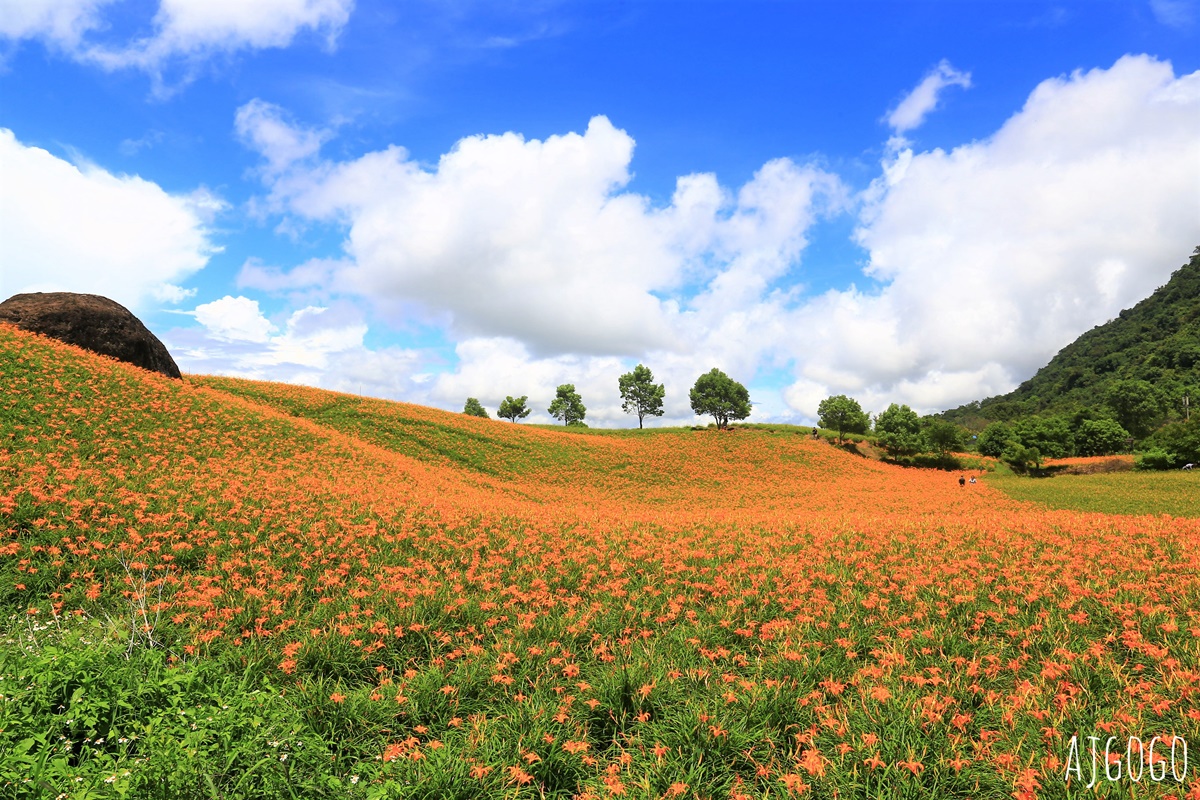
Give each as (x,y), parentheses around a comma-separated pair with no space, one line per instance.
(441,605)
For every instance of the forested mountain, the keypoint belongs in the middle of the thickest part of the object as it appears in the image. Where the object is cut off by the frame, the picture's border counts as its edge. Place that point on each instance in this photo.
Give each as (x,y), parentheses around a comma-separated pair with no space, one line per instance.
(1157,342)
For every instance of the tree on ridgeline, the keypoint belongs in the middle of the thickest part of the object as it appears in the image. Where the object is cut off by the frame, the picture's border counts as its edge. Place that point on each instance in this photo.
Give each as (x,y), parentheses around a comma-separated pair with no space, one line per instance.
(474,409)
(640,395)
(842,414)
(716,394)
(514,410)
(567,405)
(898,430)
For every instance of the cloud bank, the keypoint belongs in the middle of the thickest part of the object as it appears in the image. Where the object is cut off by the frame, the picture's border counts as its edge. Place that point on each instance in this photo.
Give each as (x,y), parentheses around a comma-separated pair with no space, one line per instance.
(68,227)
(543,267)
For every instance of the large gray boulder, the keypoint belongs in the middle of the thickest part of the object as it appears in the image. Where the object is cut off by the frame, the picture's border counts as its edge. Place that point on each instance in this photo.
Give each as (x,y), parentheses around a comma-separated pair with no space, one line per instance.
(92,322)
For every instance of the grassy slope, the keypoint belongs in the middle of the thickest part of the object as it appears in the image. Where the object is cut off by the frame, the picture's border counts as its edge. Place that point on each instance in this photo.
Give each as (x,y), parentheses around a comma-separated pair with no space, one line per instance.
(1174,493)
(228,589)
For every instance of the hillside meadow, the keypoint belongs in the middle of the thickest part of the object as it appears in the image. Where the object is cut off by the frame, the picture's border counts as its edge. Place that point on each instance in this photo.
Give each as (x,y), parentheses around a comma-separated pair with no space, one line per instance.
(219,588)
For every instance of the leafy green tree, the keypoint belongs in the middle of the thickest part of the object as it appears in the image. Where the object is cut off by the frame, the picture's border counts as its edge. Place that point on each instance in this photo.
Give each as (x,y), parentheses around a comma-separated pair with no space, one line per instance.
(994,439)
(720,396)
(474,409)
(1051,436)
(514,410)
(943,437)
(1175,444)
(640,395)
(1137,405)
(567,405)
(1021,458)
(842,414)
(898,430)
(1100,437)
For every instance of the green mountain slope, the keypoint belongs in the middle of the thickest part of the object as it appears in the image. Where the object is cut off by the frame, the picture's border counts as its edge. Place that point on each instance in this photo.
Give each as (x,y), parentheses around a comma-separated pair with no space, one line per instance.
(1158,340)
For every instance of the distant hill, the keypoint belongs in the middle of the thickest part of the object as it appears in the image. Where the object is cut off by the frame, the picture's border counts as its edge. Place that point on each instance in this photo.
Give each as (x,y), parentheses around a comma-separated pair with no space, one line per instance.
(1158,340)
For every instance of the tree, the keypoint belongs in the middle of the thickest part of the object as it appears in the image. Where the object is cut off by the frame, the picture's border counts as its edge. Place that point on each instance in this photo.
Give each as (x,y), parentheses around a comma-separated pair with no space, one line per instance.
(994,439)
(943,437)
(640,394)
(567,405)
(720,396)
(1137,405)
(474,409)
(1050,436)
(514,410)
(842,414)
(898,430)
(1100,437)
(1174,444)
(1021,458)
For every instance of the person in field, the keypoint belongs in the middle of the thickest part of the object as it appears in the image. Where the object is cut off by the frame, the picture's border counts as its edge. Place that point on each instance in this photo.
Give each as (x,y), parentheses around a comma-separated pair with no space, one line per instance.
(962,481)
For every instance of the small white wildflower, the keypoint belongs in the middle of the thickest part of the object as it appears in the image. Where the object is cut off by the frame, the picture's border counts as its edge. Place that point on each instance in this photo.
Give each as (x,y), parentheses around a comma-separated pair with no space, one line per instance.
(283,757)
(353,779)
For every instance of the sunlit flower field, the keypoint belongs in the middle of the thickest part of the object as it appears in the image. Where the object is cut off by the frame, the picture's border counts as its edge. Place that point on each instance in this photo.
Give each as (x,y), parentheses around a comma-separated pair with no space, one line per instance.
(219,588)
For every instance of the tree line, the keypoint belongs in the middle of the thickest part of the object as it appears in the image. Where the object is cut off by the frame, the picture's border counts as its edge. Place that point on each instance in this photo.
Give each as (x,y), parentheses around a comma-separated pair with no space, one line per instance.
(1131,416)
(714,394)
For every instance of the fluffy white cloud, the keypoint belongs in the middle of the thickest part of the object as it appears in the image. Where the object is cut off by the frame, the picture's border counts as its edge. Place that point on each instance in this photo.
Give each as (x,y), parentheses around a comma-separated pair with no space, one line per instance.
(541,242)
(60,22)
(237,338)
(265,128)
(67,227)
(1176,13)
(183,30)
(999,253)
(916,105)
(234,319)
(546,269)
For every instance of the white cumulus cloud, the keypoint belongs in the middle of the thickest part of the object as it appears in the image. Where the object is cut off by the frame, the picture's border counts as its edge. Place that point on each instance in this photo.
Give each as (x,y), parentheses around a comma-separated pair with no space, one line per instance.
(541,241)
(910,112)
(183,32)
(998,253)
(68,227)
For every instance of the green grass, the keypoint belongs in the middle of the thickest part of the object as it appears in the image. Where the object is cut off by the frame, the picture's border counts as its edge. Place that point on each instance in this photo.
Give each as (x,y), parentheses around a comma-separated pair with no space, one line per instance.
(1175,493)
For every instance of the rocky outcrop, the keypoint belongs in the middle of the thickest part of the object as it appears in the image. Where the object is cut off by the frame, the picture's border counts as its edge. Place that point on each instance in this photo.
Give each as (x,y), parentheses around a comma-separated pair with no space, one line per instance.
(92,322)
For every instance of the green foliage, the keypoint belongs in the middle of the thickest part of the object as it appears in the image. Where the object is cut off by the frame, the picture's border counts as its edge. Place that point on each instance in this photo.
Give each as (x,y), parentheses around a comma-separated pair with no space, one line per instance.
(640,395)
(1050,436)
(474,409)
(1100,437)
(994,439)
(842,414)
(514,410)
(1138,405)
(1156,458)
(719,396)
(943,437)
(567,405)
(898,430)
(1021,458)
(1172,446)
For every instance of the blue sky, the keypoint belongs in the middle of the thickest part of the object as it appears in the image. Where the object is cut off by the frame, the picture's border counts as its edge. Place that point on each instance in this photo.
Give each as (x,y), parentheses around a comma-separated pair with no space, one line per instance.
(913,202)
